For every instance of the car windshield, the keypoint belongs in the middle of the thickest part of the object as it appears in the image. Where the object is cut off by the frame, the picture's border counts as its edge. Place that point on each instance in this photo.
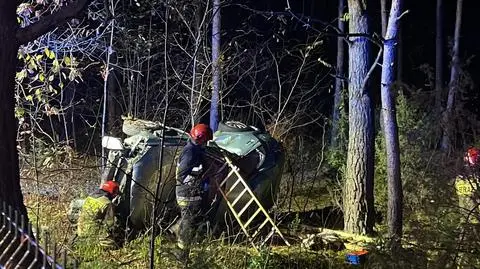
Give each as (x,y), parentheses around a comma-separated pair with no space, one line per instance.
(241,143)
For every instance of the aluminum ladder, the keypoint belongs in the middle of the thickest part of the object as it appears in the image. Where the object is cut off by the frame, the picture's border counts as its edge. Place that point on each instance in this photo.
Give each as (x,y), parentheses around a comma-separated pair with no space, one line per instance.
(252,202)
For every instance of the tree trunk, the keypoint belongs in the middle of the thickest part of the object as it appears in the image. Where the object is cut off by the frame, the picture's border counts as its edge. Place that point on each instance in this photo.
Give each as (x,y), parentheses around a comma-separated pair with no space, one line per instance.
(439,57)
(340,76)
(448,132)
(390,127)
(384,14)
(67,96)
(113,107)
(215,65)
(358,190)
(10,191)
(112,84)
(196,99)
(400,53)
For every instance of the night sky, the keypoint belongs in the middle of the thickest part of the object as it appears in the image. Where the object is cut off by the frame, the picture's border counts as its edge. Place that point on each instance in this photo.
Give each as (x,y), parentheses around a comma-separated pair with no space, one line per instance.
(418,33)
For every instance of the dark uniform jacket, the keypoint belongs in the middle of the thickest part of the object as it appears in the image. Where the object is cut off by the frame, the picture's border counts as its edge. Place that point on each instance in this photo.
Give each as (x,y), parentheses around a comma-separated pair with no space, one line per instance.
(190,168)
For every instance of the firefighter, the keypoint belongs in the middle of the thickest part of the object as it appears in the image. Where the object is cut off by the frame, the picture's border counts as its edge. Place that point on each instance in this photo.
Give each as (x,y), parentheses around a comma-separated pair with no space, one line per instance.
(97,215)
(466,186)
(190,175)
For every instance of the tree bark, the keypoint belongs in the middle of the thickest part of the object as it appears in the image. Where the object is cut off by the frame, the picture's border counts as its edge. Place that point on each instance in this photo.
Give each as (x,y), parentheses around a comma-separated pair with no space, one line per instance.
(49,22)
(448,132)
(400,53)
(215,65)
(384,15)
(340,76)
(10,191)
(390,127)
(358,190)
(439,57)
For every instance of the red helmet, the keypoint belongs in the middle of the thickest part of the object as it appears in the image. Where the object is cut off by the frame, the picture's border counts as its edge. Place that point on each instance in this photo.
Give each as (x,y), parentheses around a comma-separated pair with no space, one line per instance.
(201,133)
(472,156)
(111,187)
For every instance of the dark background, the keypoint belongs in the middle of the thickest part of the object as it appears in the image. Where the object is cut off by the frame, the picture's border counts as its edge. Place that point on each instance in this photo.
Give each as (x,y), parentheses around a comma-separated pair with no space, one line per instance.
(418,35)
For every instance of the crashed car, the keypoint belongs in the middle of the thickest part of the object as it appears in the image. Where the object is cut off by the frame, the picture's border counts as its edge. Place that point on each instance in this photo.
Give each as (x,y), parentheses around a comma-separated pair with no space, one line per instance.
(136,164)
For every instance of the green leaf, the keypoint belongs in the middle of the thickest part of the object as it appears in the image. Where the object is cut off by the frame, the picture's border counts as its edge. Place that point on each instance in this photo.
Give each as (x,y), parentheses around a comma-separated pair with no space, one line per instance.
(55,66)
(19,112)
(41,77)
(29,98)
(50,54)
(32,64)
(67,60)
(21,75)
(72,75)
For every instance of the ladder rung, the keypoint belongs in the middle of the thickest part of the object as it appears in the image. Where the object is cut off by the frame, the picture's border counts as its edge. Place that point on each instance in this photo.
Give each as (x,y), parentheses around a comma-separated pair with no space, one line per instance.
(239,197)
(260,228)
(239,179)
(245,207)
(270,235)
(226,178)
(252,217)
(233,187)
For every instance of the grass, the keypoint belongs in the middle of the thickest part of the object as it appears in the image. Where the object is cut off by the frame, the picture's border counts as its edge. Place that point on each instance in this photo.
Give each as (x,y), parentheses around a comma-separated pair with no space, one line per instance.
(432,237)
(50,213)
(50,190)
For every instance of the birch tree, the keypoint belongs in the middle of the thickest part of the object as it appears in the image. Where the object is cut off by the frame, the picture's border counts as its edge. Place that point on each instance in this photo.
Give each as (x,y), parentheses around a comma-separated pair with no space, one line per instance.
(390,127)
(215,65)
(448,133)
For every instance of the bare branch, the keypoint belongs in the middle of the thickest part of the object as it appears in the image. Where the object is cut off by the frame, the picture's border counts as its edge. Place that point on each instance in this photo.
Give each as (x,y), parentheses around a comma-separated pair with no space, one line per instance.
(47,23)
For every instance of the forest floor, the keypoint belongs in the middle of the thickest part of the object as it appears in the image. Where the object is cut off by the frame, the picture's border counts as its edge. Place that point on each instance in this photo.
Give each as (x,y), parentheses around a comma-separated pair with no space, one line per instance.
(305,204)
(48,192)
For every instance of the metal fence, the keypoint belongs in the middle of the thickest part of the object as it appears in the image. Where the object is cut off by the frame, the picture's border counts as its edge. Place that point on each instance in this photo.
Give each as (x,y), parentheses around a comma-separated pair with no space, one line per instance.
(20,249)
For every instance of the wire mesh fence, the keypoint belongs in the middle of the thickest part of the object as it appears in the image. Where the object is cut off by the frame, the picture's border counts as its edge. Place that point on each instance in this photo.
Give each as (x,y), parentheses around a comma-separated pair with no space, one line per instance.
(20,246)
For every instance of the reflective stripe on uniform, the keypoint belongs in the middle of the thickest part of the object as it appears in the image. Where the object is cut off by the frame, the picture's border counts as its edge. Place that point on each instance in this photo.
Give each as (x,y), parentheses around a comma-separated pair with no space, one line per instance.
(185,201)
(197,170)
(189,199)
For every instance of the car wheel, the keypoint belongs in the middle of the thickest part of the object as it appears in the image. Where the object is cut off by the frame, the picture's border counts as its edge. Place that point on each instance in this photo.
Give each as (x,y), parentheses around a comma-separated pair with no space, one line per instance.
(233,126)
